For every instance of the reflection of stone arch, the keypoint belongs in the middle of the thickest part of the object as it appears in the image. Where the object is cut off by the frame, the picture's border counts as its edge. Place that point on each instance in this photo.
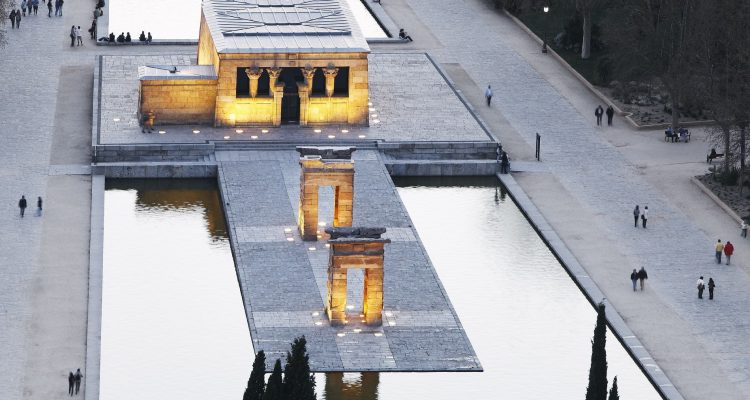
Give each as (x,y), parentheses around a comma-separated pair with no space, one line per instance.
(355,248)
(364,388)
(325,166)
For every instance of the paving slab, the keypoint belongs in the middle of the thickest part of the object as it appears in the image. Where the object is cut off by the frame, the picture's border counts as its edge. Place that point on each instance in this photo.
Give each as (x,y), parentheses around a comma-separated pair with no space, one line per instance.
(283,279)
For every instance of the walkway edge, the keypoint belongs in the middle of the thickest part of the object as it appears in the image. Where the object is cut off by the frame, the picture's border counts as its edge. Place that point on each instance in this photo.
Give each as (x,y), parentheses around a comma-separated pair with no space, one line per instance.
(617,325)
(719,202)
(94,318)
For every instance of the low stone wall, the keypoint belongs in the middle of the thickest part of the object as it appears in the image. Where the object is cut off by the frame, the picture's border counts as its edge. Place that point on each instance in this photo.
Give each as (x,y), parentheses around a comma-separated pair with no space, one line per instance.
(161,152)
(440,150)
(156,170)
(442,167)
(180,102)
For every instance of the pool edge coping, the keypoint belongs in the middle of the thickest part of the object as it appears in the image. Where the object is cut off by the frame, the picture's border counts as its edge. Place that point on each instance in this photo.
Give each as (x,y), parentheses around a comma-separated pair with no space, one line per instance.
(94,304)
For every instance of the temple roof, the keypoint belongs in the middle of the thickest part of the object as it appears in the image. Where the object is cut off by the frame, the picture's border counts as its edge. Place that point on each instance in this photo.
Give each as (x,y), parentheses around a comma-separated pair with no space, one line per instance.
(283,26)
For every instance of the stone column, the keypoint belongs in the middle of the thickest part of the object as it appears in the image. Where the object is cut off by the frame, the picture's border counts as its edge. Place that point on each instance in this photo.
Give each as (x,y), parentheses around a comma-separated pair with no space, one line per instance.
(253,73)
(343,201)
(330,73)
(277,91)
(308,206)
(336,299)
(373,294)
(273,76)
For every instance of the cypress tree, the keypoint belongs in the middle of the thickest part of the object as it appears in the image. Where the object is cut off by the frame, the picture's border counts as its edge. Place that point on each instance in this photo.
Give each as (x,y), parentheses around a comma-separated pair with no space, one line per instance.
(597,389)
(299,383)
(613,394)
(274,388)
(256,385)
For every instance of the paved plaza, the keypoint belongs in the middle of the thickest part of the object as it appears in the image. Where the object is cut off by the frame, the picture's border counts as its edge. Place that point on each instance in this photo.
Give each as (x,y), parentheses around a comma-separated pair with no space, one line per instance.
(283,279)
(410,101)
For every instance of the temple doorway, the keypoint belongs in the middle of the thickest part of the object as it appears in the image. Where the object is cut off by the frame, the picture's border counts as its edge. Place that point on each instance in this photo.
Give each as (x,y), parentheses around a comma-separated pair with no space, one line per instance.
(290,104)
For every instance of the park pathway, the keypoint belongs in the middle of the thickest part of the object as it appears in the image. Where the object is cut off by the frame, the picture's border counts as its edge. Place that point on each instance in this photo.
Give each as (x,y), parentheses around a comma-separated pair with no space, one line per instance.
(606,185)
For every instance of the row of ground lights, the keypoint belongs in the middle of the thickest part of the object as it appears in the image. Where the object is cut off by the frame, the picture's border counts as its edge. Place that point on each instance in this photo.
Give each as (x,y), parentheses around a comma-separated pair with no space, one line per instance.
(342,334)
(373,110)
(318,130)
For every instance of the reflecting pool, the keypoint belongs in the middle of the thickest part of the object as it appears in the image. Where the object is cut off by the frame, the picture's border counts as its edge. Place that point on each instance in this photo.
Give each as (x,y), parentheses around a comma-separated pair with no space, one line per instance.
(173,314)
(180,19)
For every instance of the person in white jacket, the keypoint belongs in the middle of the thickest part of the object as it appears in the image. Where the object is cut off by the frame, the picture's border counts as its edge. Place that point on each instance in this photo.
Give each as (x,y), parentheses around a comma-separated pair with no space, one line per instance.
(644,216)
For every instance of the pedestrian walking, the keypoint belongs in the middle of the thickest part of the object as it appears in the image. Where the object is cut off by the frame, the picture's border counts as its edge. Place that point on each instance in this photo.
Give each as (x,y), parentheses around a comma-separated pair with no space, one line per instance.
(711,286)
(72,36)
(634,278)
(38,206)
(79,377)
(23,7)
(18,19)
(636,214)
(12,18)
(79,35)
(49,8)
(22,205)
(504,163)
(35,3)
(61,6)
(719,248)
(610,114)
(701,286)
(57,7)
(71,383)
(599,111)
(488,95)
(728,250)
(644,216)
(743,229)
(642,276)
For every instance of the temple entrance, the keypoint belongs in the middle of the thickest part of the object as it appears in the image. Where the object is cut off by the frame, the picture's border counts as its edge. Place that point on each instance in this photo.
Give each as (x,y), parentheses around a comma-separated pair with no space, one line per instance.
(290,103)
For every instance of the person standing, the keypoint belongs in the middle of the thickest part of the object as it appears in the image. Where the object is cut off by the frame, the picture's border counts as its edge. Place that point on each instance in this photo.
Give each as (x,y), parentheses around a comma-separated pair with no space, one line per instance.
(61,6)
(22,205)
(644,216)
(57,7)
(599,111)
(610,114)
(504,163)
(23,7)
(488,95)
(719,248)
(72,36)
(18,19)
(743,229)
(701,286)
(79,377)
(39,206)
(71,383)
(634,278)
(636,214)
(12,18)
(49,8)
(36,6)
(642,276)
(711,286)
(728,250)
(79,35)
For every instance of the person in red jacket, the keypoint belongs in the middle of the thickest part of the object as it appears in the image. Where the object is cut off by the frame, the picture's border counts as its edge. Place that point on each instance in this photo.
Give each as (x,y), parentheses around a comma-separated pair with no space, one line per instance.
(728,250)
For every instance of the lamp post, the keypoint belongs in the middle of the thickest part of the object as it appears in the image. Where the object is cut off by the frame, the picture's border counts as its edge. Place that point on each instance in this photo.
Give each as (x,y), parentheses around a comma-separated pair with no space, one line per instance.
(544,42)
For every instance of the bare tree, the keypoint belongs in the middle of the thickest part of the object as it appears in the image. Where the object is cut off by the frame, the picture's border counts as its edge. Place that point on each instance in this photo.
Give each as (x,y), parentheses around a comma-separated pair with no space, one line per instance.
(5,7)
(585,8)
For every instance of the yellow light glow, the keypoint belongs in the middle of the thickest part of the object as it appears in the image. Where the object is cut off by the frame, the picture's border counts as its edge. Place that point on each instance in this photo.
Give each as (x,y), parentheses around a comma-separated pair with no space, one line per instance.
(226,137)
(231,116)
(289,239)
(331,137)
(374,115)
(317,130)
(342,334)
(369,104)
(361,136)
(196,131)
(349,307)
(253,137)
(361,315)
(328,245)
(287,230)
(372,109)
(357,330)
(378,334)
(322,223)
(315,314)
(311,248)
(264,130)
(116,119)
(240,131)
(345,131)
(388,314)
(318,323)
(391,323)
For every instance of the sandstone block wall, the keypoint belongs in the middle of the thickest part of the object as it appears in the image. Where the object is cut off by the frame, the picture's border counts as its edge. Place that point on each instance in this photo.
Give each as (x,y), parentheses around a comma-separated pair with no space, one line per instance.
(179,101)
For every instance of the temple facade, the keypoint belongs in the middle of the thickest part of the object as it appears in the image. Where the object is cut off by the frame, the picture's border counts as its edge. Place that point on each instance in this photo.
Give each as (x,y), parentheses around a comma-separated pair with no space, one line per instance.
(266,63)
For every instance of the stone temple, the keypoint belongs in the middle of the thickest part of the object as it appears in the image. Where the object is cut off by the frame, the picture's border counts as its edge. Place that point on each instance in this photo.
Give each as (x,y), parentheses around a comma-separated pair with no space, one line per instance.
(266,63)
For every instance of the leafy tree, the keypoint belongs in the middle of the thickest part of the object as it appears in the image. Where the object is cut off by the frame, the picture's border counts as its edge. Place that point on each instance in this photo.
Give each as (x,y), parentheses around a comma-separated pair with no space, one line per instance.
(613,394)
(256,385)
(597,389)
(275,386)
(299,383)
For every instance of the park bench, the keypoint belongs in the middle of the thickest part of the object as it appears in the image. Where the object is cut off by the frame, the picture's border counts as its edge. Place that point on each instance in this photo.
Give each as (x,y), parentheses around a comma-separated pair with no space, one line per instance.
(710,157)
(682,134)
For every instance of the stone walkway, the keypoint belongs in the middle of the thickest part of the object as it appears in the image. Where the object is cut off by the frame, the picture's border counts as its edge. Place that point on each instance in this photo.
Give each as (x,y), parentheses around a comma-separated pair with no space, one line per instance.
(604,186)
(283,281)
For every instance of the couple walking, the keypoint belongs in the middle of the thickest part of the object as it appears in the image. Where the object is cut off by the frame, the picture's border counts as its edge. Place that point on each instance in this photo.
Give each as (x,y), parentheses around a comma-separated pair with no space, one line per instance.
(702,286)
(22,205)
(74,381)
(643,215)
(727,249)
(636,276)
(599,111)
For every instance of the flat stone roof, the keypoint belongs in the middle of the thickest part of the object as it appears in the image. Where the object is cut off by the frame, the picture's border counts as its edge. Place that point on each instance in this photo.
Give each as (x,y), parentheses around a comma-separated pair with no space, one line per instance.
(283,26)
(174,72)
(283,279)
